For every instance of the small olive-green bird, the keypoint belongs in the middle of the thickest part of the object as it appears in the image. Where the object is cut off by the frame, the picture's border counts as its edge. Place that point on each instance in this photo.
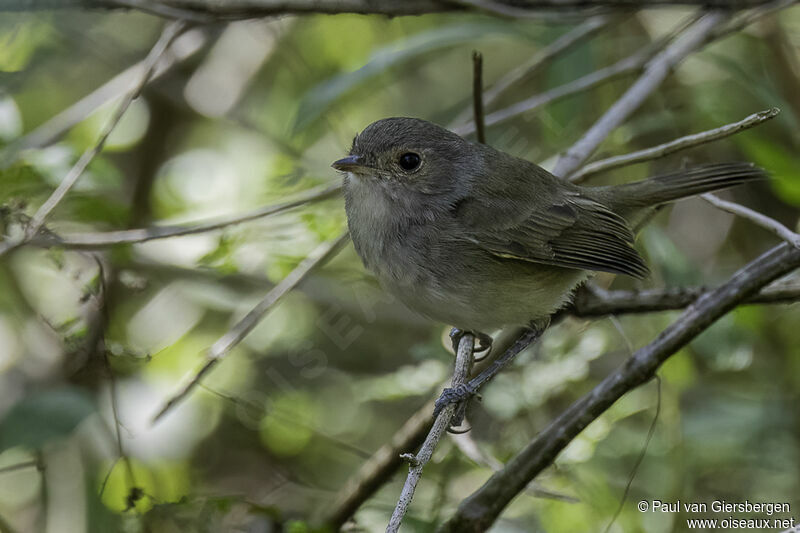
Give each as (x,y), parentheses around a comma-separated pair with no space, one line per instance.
(479,239)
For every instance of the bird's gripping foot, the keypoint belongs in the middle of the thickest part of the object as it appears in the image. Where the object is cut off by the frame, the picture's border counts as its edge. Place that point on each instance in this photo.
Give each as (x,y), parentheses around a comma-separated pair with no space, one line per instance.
(484,341)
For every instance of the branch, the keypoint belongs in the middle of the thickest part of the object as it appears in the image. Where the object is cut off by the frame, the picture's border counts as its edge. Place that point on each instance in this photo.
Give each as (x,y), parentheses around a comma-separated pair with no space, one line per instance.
(418,462)
(479,510)
(541,58)
(110,238)
(477,96)
(624,66)
(183,48)
(655,72)
(239,331)
(682,143)
(379,468)
(241,9)
(588,303)
(596,302)
(171,31)
(770,224)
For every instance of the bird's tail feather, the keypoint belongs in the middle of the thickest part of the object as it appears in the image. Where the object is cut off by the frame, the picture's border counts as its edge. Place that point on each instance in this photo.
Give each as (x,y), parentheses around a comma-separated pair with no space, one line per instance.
(689,182)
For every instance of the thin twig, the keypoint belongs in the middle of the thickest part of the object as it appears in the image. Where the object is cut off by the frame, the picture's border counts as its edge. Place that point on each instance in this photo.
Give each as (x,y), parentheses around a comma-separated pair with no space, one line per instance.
(19,466)
(587,304)
(629,64)
(682,143)
(440,425)
(240,330)
(541,58)
(655,72)
(110,238)
(770,224)
(481,509)
(477,96)
(183,48)
(172,30)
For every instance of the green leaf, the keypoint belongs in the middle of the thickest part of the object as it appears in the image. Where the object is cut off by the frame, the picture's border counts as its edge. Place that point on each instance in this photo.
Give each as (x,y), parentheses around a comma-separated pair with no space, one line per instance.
(21,181)
(320,98)
(44,416)
(780,162)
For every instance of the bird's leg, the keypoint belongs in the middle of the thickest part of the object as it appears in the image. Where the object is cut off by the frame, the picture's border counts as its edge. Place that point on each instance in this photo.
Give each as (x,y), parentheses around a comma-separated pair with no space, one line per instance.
(464,392)
(484,340)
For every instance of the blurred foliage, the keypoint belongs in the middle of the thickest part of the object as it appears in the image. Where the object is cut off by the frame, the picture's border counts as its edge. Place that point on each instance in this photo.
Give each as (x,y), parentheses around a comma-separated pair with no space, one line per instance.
(331,374)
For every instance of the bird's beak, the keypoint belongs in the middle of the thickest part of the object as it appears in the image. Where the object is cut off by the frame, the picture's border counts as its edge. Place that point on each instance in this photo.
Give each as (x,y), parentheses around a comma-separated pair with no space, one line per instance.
(348,163)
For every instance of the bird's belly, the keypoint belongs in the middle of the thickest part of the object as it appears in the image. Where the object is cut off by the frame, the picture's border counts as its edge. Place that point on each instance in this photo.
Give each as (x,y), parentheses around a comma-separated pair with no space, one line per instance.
(487,295)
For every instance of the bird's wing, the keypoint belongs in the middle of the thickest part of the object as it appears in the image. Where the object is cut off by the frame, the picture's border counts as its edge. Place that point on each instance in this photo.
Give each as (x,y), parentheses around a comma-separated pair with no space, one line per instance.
(570,230)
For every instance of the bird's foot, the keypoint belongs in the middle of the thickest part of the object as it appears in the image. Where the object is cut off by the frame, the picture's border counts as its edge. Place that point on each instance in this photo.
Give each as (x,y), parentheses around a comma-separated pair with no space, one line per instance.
(484,341)
(459,395)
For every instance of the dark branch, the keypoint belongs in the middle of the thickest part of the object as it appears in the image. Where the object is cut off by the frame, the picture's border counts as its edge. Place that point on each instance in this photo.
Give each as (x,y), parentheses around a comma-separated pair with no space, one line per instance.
(202,10)
(477,96)
(479,510)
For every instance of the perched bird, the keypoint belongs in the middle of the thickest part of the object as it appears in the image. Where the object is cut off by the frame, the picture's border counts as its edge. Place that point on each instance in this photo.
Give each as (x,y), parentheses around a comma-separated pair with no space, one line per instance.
(479,239)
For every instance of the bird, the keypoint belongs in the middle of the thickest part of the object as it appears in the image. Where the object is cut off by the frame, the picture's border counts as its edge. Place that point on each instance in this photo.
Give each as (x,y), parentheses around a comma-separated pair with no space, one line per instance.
(468,235)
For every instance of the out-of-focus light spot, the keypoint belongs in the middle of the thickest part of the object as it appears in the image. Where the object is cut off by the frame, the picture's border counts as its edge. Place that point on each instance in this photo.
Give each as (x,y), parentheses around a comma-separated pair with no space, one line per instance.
(185,251)
(195,184)
(131,127)
(9,345)
(42,350)
(19,487)
(173,436)
(10,119)
(286,429)
(162,321)
(215,87)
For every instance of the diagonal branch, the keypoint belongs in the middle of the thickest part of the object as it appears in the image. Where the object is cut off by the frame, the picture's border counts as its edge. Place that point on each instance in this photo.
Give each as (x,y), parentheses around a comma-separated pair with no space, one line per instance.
(593,303)
(540,59)
(656,71)
(480,509)
(768,223)
(170,32)
(131,236)
(181,49)
(239,331)
(681,143)
(441,424)
(624,66)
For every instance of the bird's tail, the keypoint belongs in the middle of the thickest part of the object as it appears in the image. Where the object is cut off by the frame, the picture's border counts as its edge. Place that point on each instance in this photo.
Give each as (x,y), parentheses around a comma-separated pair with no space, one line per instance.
(669,187)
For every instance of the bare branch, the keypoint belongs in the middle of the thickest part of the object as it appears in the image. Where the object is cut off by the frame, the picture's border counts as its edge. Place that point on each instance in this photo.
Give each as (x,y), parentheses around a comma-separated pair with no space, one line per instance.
(418,462)
(655,72)
(477,96)
(479,510)
(110,238)
(588,303)
(682,143)
(596,302)
(241,9)
(170,32)
(593,79)
(239,331)
(770,224)
(180,50)
(541,58)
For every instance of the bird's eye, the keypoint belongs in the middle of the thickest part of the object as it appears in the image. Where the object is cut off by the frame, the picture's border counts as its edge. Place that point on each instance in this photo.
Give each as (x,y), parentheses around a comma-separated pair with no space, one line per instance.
(409,161)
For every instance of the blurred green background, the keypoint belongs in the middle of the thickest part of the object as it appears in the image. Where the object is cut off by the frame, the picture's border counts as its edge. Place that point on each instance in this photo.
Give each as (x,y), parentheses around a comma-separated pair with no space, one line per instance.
(256,114)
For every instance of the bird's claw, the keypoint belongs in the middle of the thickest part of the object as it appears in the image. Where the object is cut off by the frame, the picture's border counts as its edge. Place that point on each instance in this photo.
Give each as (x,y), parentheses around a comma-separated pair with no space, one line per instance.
(484,341)
(455,395)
